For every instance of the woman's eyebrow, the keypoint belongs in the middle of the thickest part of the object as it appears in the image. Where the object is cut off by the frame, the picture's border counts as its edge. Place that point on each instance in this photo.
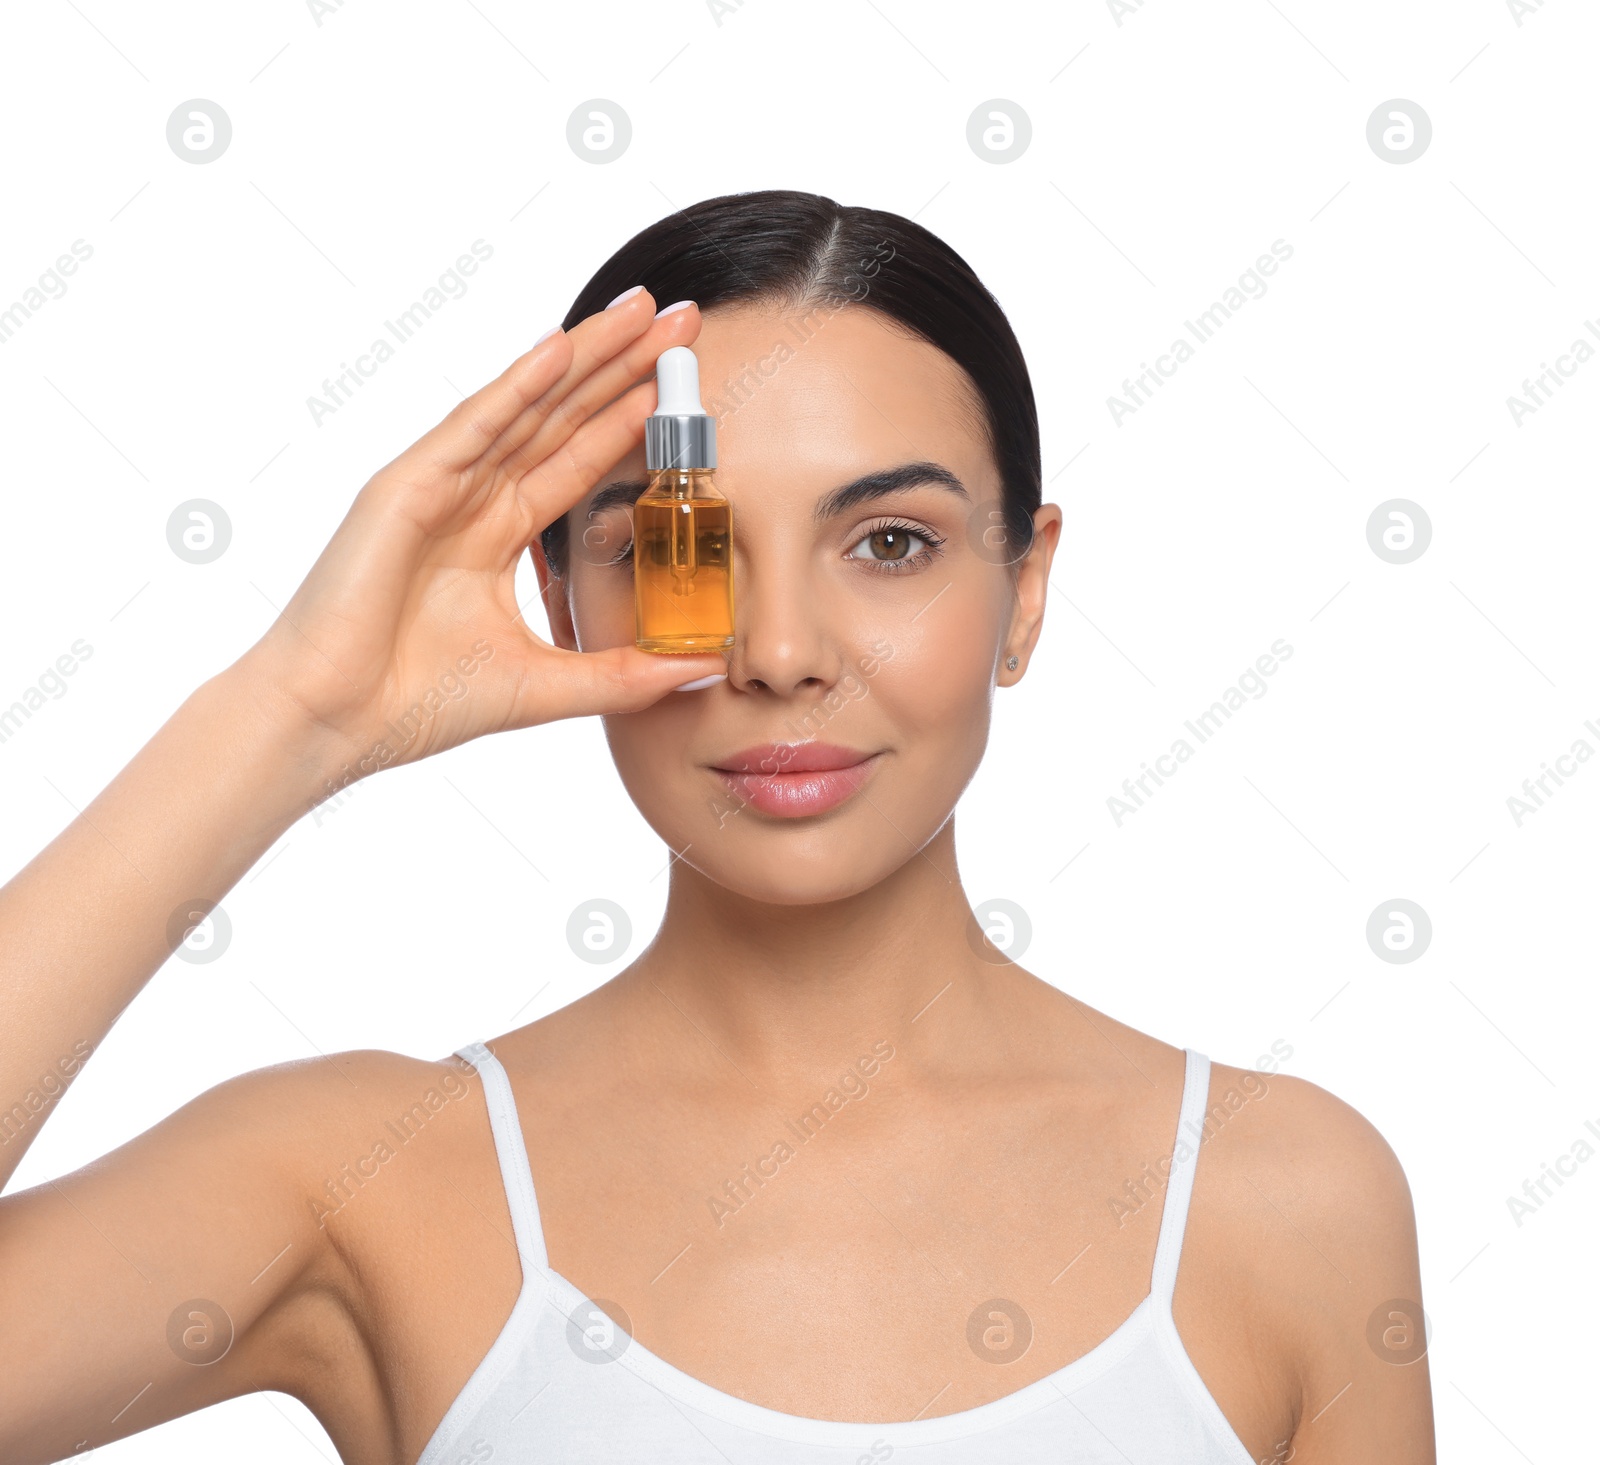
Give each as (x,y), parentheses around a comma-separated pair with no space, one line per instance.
(875,485)
(622,492)
(885,481)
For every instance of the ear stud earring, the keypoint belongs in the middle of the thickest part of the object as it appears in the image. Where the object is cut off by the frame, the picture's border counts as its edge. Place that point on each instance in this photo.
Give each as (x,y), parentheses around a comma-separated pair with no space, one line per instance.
(1011,663)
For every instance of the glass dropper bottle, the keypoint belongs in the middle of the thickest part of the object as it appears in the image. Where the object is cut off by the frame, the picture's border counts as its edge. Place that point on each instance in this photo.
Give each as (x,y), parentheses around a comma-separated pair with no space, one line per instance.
(682,525)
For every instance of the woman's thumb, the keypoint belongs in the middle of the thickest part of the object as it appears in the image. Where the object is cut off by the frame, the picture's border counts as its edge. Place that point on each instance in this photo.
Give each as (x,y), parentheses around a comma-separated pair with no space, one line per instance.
(618,679)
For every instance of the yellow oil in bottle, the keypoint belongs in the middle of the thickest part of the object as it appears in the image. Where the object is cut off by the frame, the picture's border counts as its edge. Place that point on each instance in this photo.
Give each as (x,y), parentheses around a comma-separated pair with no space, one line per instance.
(683,563)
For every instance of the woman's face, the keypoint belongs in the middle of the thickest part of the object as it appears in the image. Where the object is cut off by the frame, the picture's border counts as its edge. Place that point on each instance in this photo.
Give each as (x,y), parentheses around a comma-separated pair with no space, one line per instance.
(877,626)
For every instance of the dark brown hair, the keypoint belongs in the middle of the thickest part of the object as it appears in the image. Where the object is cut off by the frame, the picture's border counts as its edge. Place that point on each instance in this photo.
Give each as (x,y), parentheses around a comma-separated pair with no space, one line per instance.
(802,250)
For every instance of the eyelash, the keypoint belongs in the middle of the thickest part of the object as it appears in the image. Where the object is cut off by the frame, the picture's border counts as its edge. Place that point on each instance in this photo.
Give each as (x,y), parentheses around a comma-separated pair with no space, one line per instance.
(917,561)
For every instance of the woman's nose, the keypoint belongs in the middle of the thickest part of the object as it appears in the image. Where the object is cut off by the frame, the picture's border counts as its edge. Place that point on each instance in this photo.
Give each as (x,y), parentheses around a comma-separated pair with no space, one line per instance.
(783,637)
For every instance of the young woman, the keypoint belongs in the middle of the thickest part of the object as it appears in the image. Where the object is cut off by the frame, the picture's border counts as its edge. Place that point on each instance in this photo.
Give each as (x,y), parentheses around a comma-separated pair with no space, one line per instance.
(821,1176)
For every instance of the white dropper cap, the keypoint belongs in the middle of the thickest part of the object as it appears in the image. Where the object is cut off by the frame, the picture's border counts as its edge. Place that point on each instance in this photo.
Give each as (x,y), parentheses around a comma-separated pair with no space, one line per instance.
(678,383)
(679,433)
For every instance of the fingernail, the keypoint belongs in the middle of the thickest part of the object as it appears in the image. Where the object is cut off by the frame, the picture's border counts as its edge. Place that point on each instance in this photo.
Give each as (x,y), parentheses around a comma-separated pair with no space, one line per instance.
(546,336)
(695,686)
(626,295)
(669,309)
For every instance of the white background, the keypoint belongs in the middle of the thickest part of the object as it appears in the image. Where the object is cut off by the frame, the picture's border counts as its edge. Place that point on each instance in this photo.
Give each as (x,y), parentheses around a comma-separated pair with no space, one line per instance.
(1167,153)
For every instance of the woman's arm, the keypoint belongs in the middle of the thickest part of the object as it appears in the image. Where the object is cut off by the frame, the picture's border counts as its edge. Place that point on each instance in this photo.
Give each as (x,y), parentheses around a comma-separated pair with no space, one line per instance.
(1304,1229)
(198,1261)
(86,923)
(416,587)
(1358,1300)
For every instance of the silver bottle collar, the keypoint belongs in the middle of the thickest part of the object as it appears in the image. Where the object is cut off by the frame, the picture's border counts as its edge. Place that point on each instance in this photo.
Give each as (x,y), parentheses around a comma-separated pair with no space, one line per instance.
(682,442)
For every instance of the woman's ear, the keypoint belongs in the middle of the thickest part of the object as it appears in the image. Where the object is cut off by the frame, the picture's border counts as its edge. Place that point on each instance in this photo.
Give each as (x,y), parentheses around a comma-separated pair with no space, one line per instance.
(1033,583)
(557,606)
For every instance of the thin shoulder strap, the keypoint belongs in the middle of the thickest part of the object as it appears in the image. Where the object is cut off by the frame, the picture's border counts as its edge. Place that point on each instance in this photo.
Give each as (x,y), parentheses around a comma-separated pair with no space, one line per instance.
(515,1174)
(1180,1177)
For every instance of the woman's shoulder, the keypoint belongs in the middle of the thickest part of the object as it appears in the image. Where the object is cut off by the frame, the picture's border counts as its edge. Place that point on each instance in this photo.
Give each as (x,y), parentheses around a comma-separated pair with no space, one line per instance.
(1322,1147)
(333,1131)
(1331,1161)
(309,1112)
(390,1162)
(1301,1224)
(339,1079)
(298,1113)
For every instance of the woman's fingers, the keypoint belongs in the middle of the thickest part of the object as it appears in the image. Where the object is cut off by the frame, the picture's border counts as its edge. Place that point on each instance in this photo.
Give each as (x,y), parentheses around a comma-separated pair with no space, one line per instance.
(536,382)
(596,376)
(502,434)
(618,679)
(471,428)
(558,479)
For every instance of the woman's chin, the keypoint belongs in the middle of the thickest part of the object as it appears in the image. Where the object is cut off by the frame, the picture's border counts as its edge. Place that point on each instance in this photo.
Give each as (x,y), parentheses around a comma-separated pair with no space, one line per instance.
(830,872)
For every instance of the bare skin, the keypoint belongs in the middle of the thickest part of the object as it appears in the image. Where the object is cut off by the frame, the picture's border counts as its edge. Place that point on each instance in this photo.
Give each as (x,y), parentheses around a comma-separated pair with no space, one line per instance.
(983,1163)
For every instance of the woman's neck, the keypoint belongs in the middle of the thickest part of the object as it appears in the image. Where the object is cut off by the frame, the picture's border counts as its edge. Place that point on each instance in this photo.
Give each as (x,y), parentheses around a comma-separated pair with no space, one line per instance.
(782,989)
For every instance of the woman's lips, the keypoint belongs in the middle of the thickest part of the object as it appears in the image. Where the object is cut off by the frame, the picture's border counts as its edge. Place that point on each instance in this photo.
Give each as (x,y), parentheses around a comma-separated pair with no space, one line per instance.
(797,789)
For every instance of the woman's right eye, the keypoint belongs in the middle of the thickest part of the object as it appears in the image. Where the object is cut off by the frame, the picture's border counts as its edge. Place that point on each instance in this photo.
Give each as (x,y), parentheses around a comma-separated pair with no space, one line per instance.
(608,542)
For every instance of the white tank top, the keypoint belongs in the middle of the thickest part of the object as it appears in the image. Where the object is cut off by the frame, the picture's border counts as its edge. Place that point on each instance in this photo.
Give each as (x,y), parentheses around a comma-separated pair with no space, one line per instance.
(562,1383)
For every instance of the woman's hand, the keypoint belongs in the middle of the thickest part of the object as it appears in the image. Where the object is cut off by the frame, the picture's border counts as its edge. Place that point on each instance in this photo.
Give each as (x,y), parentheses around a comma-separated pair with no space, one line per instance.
(406,638)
